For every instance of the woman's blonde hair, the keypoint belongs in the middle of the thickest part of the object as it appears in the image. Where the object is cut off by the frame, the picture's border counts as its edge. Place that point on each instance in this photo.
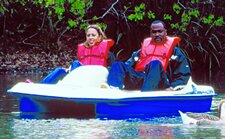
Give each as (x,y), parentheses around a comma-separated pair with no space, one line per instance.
(98,29)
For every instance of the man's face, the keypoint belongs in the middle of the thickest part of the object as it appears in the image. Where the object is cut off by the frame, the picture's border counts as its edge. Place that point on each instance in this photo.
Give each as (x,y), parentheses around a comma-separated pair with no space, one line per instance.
(158,33)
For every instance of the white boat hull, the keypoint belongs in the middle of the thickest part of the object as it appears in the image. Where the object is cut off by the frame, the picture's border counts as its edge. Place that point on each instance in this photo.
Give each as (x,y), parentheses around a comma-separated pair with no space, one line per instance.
(74,98)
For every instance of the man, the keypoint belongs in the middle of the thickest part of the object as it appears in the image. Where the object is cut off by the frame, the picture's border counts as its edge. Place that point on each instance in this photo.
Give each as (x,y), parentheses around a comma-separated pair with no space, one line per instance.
(158,65)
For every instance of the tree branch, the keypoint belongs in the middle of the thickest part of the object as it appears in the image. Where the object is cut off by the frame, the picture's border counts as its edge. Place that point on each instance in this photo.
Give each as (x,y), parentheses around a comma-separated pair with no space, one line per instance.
(112,7)
(42,25)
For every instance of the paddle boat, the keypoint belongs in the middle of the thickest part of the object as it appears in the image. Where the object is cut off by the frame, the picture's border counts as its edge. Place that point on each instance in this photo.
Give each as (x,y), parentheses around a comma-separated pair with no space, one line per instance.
(79,94)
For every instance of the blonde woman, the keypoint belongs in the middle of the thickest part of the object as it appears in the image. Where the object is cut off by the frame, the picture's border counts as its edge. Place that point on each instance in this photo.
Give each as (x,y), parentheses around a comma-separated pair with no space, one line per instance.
(94,51)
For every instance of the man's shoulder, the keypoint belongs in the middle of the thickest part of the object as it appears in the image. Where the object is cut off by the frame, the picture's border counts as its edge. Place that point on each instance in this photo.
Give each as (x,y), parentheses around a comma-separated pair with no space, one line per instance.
(178,51)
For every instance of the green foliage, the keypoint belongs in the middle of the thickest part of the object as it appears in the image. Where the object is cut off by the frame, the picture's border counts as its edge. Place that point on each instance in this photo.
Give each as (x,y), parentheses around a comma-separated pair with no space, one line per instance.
(185,19)
(151,15)
(41,23)
(102,26)
(78,8)
(46,22)
(194,13)
(61,8)
(167,17)
(2,6)
(175,26)
(208,20)
(139,13)
(72,23)
(176,8)
(212,21)
(219,22)
(194,1)
(94,18)
(83,26)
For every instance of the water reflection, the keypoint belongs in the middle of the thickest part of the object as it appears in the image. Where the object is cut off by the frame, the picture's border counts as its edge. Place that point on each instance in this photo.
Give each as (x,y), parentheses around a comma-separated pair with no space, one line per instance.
(11,126)
(95,128)
(202,131)
(92,128)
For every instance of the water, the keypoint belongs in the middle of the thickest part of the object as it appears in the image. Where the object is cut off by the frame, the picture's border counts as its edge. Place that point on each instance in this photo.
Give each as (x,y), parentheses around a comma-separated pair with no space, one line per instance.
(11,126)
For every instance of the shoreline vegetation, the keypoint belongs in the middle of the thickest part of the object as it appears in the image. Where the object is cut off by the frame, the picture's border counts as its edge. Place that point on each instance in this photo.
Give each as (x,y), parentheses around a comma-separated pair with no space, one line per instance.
(38,36)
(25,62)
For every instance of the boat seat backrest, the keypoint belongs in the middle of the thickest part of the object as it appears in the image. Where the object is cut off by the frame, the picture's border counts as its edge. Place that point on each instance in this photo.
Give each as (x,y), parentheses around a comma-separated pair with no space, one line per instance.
(86,76)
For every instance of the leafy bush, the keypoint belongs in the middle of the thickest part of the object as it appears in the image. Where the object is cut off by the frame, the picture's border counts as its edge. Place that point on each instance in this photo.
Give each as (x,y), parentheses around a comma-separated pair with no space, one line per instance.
(58,25)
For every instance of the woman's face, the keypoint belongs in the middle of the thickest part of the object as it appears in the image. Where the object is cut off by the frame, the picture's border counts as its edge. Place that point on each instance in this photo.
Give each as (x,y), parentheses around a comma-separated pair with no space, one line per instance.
(92,37)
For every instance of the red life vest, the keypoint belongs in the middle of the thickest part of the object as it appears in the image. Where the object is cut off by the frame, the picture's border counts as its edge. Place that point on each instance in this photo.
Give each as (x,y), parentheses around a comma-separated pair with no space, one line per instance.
(95,55)
(161,52)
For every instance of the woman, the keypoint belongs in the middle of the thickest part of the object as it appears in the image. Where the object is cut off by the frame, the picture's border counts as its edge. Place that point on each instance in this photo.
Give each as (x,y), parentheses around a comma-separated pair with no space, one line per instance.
(94,51)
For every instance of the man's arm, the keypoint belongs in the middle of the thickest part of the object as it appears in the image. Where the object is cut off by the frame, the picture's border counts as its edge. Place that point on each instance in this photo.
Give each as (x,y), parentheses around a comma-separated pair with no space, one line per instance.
(179,69)
(133,59)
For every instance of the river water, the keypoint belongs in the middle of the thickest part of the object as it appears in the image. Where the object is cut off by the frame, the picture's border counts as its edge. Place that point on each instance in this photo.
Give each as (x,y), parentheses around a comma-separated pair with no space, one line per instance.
(11,126)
